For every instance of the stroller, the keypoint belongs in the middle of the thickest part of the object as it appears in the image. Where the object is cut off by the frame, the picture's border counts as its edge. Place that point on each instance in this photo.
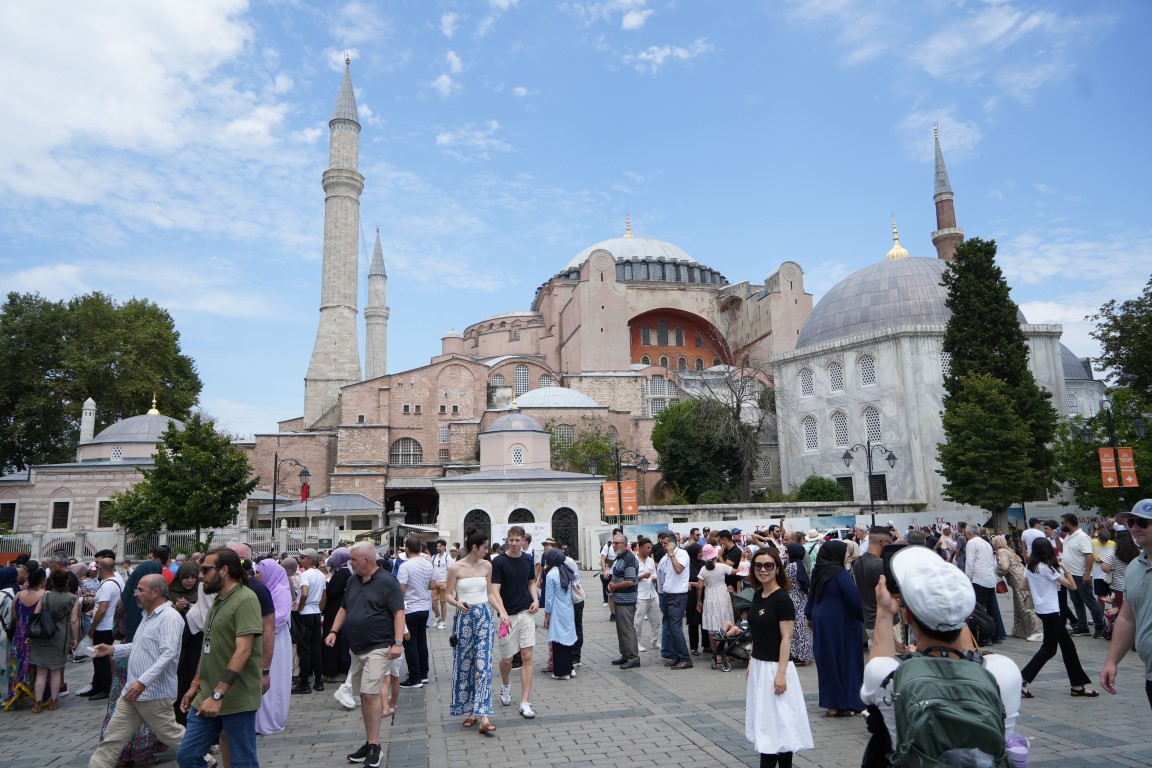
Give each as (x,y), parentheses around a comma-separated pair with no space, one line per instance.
(736,647)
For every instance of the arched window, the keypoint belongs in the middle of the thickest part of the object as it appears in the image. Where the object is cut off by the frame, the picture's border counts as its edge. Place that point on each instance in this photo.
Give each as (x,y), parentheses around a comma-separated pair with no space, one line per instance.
(806,387)
(406,452)
(478,519)
(566,530)
(872,424)
(835,377)
(521,516)
(681,363)
(656,386)
(498,380)
(663,362)
(699,363)
(565,435)
(517,455)
(522,379)
(645,360)
(443,435)
(867,370)
(811,437)
(546,381)
(1073,407)
(840,428)
(613,436)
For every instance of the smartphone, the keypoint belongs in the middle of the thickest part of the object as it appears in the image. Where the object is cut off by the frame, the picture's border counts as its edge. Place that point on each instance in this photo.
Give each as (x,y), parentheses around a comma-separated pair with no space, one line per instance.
(503,629)
(889,578)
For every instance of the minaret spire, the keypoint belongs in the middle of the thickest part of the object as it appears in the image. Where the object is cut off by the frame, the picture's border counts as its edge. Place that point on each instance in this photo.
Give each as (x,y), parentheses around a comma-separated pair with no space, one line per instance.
(898,251)
(628,225)
(947,235)
(376,316)
(336,354)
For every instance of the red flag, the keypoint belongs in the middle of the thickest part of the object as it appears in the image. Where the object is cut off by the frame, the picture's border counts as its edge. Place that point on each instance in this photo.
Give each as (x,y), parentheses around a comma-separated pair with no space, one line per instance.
(304,492)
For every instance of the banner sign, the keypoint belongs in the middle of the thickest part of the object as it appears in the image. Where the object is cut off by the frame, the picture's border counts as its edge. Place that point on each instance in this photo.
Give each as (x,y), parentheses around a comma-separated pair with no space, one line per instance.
(628,494)
(1108,469)
(1127,468)
(611,499)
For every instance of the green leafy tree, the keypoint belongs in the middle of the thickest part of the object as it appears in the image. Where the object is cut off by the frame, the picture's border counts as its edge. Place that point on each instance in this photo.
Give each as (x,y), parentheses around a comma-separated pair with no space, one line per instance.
(820,488)
(593,442)
(694,455)
(55,355)
(984,336)
(985,459)
(1125,333)
(198,481)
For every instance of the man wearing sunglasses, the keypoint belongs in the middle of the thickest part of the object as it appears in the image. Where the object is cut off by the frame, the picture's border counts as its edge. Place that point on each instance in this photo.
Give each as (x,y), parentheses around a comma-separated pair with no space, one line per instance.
(1134,622)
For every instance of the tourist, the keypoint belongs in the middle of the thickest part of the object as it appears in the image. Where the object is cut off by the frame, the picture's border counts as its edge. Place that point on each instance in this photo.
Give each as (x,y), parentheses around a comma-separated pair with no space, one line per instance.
(108,596)
(416,578)
(49,654)
(837,620)
(514,573)
(184,594)
(471,592)
(373,614)
(607,556)
(335,659)
(1134,622)
(312,584)
(623,588)
(647,601)
(272,717)
(28,594)
(163,554)
(441,562)
(559,614)
(866,572)
(7,624)
(796,572)
(714,601)
(1077,556)
(692,615)
(152,658)
(776,719)
(1035,531)
(672,584)
(980,568)
(1025,623)
(1103,559)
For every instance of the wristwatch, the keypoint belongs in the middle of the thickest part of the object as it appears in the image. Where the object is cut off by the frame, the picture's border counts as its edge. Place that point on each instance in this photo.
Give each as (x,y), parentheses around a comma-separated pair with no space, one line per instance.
(216,695)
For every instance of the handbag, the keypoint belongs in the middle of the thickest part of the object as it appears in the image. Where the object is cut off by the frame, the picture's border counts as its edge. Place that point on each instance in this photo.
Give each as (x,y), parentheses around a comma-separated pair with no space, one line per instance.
(1001,588)
(41,625)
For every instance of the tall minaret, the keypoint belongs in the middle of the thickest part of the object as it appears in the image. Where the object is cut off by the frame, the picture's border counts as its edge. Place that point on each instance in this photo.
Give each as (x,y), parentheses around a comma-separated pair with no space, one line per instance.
(376,316)
(947,235)
(336,354)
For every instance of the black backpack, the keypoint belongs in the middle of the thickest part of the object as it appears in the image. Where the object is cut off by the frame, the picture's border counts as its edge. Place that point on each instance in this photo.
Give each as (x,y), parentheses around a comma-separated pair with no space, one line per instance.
(982,625)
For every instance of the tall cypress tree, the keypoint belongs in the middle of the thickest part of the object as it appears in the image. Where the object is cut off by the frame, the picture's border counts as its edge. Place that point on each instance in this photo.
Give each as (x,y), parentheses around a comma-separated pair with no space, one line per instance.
(984,337)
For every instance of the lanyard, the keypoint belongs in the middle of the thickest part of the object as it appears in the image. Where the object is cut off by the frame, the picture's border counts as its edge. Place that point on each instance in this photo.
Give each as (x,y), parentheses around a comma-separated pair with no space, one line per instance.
(212,618)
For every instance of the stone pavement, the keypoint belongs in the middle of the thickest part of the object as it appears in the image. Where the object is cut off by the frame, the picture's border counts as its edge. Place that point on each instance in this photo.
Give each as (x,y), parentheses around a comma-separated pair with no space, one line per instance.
(646,717)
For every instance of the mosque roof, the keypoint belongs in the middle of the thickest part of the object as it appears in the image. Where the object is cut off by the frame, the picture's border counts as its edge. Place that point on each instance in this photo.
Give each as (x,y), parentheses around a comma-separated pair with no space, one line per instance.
(515,422)
(555,397)
(629,248)
(1075,368)
(145,428)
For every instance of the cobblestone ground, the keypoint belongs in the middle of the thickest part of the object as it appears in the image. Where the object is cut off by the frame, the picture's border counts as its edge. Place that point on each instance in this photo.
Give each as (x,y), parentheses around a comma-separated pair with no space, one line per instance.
(647,716)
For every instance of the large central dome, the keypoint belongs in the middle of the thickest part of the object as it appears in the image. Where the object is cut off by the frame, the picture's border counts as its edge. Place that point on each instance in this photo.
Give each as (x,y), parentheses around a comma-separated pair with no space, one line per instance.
(635,249)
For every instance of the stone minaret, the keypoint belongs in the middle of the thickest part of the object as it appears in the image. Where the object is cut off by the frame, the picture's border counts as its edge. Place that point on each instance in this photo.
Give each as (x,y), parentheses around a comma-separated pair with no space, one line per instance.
(336,354)
(947,235)
(88,421)
(376,316)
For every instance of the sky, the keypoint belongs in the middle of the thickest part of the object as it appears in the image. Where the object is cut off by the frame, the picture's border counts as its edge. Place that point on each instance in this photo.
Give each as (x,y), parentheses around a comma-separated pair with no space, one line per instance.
(173,151)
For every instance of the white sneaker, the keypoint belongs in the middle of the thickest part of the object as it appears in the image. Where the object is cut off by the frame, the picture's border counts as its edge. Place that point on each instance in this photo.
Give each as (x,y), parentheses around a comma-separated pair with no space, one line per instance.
(641,648)
(506,695)
(526,711)
(1036,638)
(344,696)
(440,625)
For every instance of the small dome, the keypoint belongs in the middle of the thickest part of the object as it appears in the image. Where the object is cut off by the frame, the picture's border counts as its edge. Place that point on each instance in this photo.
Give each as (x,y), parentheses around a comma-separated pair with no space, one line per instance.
(635,249)
(452,334)
(555,397)
(515,422)
(137,429)
(1075,368)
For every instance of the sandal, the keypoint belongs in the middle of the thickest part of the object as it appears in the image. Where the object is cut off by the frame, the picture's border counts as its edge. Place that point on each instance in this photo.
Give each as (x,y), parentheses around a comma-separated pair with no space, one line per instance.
(1026,692)
(1085,692)
(486,729)
(470,721)
(37,708)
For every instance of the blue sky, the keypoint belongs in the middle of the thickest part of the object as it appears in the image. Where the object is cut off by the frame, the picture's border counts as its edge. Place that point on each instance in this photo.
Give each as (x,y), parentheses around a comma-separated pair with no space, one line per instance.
(173,151)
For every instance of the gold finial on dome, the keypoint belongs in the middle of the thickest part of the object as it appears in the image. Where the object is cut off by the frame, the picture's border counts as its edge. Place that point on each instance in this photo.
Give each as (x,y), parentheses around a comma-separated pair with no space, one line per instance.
(898,251)
(152,411)
(628,225)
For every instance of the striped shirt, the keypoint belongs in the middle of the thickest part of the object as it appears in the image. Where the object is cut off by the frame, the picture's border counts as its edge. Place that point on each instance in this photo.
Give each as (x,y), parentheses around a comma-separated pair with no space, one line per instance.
(154,653)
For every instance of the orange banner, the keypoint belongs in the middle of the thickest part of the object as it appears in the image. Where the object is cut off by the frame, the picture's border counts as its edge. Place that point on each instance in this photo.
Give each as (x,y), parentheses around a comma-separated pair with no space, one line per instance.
(628,494)
(1127,468)
(1108,468)
(611,499)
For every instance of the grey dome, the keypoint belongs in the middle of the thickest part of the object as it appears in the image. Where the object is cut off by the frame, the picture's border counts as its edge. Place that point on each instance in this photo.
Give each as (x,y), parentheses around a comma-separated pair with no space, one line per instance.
(555,397)
(881,296)
(146,428)
(635,249)
(515,422)
(1075,368)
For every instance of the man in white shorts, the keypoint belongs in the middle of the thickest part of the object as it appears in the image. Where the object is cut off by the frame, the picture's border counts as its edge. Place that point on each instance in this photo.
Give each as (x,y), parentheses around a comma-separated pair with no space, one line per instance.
(514,573)
(441,562)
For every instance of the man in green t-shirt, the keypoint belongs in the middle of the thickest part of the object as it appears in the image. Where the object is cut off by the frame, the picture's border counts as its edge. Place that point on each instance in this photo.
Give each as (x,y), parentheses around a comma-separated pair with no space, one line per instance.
(226,692)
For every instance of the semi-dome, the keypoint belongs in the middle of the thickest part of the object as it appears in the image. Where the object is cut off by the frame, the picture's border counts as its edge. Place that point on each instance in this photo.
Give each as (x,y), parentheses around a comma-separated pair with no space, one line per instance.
(515,422)
(555,397)
(635,249)
(1075,368)
(145,428)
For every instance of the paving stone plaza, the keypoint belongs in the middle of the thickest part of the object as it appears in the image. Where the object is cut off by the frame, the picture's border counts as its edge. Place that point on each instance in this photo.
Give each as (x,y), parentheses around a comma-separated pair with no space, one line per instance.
(643,717)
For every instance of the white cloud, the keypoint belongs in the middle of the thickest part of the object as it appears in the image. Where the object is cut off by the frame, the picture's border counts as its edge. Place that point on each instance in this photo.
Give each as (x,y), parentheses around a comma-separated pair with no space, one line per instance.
(635,19)
(54,281)
(367,116)
(488,23)
(652,59)
(359,23)
(445,85)
(472,141)
(633,15)
(523,92)
(448,22)
(455,66)
(960,139)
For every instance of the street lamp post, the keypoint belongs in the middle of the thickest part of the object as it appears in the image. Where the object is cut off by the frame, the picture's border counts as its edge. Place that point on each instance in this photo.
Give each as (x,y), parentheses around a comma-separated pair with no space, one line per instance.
(1139,426)
(277,463)
(640,460)
(868,448)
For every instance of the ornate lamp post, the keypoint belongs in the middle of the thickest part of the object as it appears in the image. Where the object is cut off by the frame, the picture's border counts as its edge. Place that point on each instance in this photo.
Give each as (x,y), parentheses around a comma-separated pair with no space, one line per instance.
(1139,426)
(868,449)
(640,460)
(277,463)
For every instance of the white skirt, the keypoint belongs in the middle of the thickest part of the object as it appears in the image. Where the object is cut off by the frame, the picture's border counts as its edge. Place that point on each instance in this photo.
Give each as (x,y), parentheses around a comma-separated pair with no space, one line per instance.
(775,723)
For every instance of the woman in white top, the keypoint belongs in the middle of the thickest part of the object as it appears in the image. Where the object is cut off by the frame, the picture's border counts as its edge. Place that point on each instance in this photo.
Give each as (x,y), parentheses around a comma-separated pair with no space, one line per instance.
(470,591)
(1046,575)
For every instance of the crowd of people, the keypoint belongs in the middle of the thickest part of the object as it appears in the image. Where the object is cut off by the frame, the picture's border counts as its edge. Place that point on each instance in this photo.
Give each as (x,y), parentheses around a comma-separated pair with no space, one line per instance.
(199,654)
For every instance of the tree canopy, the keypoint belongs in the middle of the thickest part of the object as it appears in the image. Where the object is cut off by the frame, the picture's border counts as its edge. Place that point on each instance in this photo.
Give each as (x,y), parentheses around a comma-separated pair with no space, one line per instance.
(198,481)
(56,354)
(591,442)
(1124,331)
(820,488)
(695,456)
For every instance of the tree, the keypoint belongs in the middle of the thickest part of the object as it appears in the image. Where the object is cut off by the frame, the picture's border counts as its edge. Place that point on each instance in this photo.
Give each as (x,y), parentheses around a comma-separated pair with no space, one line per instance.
(1125,333)
(55,355)
(592,442)
(819,488)
(985,460)
(694,456)
(984,336)
(198,481)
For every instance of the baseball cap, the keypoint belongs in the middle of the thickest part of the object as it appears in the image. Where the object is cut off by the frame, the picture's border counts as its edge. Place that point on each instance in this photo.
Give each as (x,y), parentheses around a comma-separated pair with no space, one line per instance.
(1141,509)
(310,553)
(938,594)
(736,531)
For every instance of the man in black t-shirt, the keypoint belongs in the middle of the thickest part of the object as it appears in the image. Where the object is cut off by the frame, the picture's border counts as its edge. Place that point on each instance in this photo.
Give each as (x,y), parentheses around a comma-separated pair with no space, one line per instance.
(516,575)
(867,570)
(732,555)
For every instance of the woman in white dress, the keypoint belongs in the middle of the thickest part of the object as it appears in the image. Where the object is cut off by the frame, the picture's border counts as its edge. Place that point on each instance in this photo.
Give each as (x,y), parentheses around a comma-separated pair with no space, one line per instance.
(714,601)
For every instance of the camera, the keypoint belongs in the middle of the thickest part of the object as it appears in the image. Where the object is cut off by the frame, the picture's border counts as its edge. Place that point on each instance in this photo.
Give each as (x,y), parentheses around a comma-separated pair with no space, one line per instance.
(889,578)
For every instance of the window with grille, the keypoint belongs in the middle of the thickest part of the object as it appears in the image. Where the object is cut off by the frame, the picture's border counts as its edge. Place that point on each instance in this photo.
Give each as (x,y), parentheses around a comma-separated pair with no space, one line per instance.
(517,455)
(60,510)
(478,519)
(872,424)
(840,428)
(613,436)
(443,409)
(699,340)
(867,370)
(766,468)
(445,455)
(498,380)
(117,453)
(102,508)
(646,337)
(645,360)
(566,530)
(806,387)
(656,405)
(1073,408)
(845,482)
(699,363)
(455,409)
(946,364)
(662,333)
(663,362)
(444,435)
(679,337)
(545,381)
(406,408)
(879,485)
(522,379)
(417,408)
(670,388)
(516,335)
(8,514)
(521,516)
(656,386)
(811,437)
(836,377)
(681,363)
(565,435)
(406,452)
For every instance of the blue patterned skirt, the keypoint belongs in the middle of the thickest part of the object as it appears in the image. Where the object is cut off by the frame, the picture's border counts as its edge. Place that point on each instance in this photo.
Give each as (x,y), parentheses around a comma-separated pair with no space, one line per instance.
(472,662)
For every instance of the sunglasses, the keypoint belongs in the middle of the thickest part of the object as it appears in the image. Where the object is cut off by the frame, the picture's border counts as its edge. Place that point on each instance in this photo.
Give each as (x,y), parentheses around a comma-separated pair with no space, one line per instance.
(764,566)
(1137,522)
(206,568)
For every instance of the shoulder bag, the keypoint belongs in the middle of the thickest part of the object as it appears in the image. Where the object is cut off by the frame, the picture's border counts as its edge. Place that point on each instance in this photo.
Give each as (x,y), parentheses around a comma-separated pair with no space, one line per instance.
(42,625)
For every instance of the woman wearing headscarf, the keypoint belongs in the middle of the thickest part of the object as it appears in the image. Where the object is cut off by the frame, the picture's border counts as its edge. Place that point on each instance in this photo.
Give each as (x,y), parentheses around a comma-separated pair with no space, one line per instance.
(559,615)
(836,617)
(798,586)
(692,613)
(184,594)
(7,621)
(273,713)
(336,660)
(1025,623)
(144,746)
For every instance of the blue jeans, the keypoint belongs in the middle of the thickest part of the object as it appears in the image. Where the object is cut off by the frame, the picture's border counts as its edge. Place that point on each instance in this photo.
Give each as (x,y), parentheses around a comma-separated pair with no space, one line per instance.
(203,732)
(1082,597)
(673,644)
